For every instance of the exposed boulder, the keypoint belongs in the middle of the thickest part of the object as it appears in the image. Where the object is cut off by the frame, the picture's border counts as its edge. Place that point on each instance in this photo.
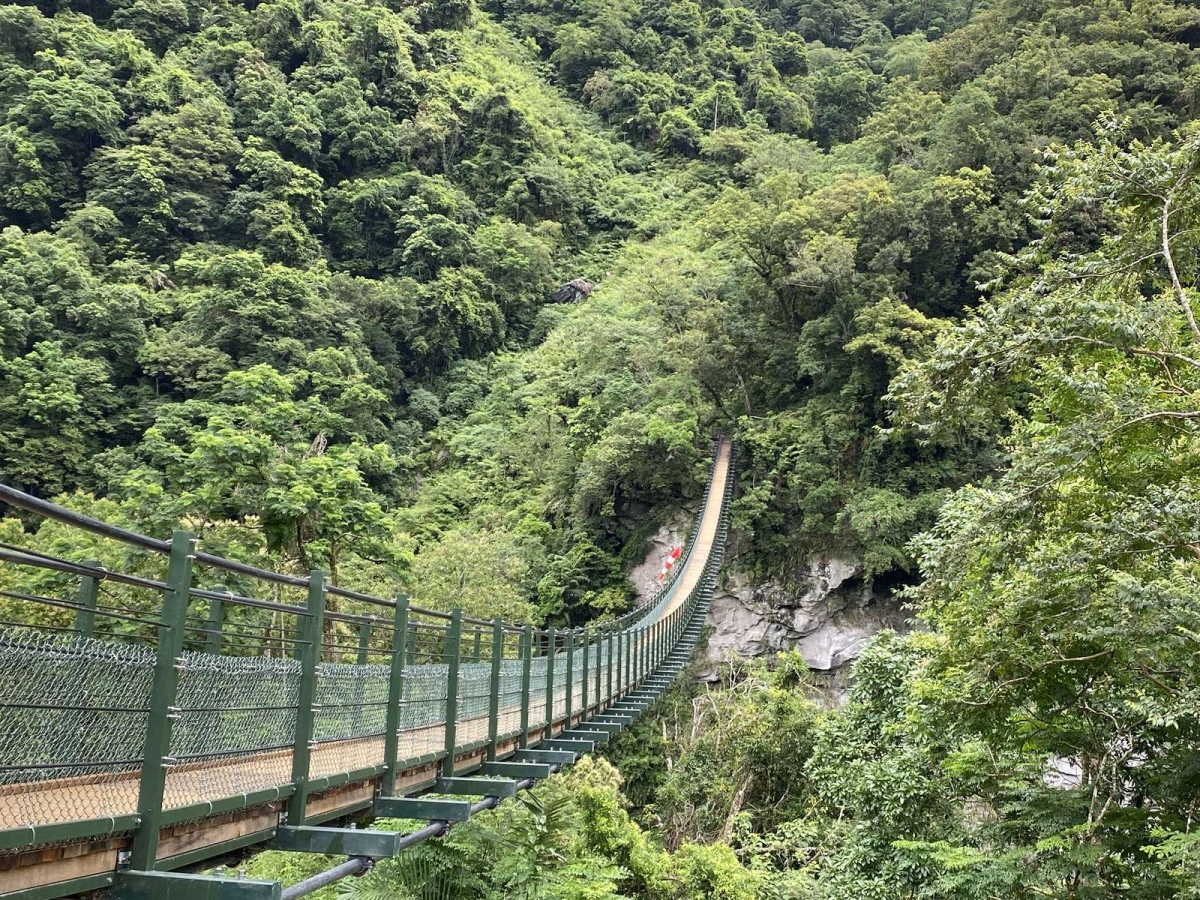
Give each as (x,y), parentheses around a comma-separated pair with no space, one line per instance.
(573,291)
(828,613)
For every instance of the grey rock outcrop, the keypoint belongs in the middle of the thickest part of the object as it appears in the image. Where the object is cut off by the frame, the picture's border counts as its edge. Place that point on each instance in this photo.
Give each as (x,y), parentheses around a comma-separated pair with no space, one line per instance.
(828,611)
(828,614)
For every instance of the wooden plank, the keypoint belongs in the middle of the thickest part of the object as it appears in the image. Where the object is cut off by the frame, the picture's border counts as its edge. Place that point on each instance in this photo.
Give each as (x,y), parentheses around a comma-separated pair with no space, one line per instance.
(73,861)
(185,837)
(340,798)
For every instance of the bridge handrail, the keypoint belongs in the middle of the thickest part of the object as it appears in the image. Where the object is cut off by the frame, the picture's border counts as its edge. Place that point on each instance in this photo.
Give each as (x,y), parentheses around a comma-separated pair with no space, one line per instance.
(55,512)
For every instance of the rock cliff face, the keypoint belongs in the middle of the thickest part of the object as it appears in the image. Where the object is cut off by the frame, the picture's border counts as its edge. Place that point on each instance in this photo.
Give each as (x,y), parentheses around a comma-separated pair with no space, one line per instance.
(828,612)
(828,615)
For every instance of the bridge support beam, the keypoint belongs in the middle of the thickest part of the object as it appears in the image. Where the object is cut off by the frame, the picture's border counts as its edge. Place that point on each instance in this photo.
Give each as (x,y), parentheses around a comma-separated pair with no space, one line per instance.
(477,787)
(178,886)
(572,745)
(585,734)
(554,757)
(338,841)
(513,769)
(427,808)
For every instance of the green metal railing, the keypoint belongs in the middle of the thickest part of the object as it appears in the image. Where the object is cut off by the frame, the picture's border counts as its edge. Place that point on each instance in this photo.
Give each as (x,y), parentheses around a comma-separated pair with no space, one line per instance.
(219,687)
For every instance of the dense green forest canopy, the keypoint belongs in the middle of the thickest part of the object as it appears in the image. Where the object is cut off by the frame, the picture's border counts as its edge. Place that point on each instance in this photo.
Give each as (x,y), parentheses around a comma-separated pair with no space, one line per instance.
(272,267)
(282,270)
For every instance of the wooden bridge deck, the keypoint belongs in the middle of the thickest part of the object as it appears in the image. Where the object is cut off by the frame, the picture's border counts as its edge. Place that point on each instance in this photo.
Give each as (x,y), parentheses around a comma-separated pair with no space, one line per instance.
(706,532)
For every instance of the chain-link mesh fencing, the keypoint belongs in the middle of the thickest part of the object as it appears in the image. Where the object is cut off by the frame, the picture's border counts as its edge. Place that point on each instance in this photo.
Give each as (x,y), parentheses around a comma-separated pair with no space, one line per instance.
(474,700)
(579,675)
(349,717)
(73,717)
(560,686)
(235,729)
(511,697)
(423,710)
(537,691)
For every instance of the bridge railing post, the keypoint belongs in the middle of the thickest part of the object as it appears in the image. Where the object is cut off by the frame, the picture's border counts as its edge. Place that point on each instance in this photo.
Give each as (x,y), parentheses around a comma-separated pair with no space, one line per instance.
(652,655)
(310,655)
(603,641)
(526,677)
(494,696)
(551,639)
(216,624)
(89,588)
(634,662)
(410,652)
(391,738)
(635,673)
(655,644)
(631,658)
(620,671)
(570,705)
(361,659)
(610,650)
(162,702)
(364,641)
(453,655)
(586,643)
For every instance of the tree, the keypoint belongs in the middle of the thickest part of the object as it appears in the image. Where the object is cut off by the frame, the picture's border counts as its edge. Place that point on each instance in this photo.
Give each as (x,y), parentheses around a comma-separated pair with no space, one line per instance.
(1062,586)
(56,406)
(481,572)
(265,465)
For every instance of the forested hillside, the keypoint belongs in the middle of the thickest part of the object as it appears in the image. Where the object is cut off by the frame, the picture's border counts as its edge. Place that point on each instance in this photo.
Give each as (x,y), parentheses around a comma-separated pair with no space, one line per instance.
(282,271)
(253,257)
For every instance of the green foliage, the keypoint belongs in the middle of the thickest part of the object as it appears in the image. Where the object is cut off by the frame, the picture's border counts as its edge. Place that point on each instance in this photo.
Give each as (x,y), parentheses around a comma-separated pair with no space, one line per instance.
(744,749)
(1040,739)
(246,256)
(483,573)
(280,271)
(567,839)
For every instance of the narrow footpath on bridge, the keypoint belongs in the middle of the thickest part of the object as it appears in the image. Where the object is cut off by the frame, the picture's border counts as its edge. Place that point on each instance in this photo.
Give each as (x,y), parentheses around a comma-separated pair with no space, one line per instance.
(197,706)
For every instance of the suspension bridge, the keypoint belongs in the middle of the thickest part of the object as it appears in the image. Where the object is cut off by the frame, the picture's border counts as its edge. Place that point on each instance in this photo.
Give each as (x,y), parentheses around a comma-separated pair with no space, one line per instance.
(207,706)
